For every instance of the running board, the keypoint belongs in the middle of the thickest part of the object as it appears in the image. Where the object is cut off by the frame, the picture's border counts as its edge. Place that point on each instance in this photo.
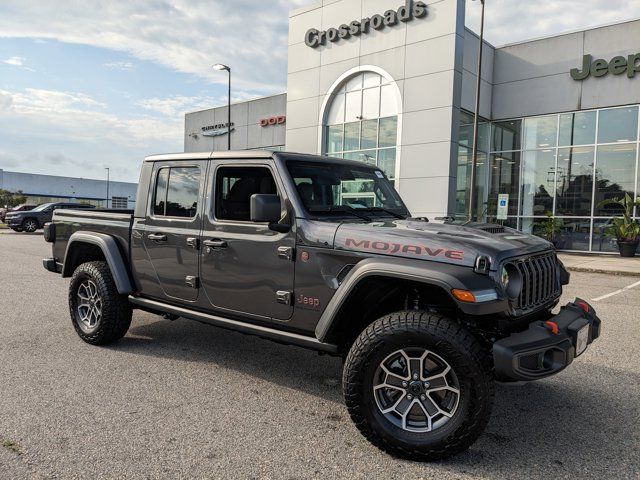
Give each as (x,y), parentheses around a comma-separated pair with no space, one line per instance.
(242,327)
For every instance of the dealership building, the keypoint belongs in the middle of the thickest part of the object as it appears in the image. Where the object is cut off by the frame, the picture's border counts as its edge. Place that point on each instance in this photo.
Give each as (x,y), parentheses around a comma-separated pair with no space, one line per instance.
(393,83)
(51,188)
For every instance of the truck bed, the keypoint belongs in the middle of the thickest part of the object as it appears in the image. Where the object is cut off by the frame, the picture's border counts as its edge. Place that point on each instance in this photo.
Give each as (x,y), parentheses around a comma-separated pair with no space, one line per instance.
(116,223)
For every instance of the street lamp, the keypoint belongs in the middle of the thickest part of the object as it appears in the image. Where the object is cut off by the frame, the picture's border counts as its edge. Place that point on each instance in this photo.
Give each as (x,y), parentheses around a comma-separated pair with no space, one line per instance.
(108,172)
(220,66)
(474,152)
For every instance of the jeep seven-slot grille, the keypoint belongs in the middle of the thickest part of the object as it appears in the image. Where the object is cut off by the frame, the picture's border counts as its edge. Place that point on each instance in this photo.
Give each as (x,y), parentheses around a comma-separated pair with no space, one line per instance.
(540,282)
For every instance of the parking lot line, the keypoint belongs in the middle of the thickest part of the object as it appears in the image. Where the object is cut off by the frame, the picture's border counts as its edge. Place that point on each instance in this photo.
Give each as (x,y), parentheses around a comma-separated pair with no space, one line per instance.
(628,287)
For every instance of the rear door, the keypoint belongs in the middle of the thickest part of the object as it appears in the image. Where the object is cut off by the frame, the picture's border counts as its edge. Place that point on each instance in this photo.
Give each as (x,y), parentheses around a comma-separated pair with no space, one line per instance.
(172,228)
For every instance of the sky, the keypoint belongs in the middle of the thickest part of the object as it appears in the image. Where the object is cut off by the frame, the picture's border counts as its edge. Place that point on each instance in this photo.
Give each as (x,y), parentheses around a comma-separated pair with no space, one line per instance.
(86,85)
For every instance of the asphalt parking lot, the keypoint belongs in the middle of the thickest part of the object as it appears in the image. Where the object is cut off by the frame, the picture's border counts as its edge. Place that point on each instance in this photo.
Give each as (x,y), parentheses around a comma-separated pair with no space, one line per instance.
(184,400)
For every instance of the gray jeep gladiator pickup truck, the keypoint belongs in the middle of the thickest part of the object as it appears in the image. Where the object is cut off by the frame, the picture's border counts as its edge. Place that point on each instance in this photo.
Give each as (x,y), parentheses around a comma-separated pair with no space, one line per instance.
(322,253)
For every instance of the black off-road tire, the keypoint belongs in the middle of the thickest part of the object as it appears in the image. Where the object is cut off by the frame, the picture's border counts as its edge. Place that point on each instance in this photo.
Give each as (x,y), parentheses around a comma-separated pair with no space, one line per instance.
(444,337)
(30,225)
(116,311)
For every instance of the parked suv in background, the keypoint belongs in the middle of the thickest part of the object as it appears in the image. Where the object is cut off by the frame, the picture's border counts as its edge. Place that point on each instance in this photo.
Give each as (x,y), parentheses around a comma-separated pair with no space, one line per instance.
(32,220)
(20,208)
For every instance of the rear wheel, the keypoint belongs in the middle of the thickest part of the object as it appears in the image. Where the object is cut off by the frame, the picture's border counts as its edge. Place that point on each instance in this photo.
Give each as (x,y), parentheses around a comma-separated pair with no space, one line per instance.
(30,225)
(100,315)
(418,385)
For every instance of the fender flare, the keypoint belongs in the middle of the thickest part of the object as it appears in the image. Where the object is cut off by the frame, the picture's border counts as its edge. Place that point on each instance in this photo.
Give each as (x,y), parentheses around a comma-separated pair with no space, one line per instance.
(111,252)
(445,276)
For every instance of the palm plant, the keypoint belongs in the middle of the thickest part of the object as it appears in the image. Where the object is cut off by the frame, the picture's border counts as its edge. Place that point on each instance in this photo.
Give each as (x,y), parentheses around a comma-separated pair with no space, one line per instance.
(625,228)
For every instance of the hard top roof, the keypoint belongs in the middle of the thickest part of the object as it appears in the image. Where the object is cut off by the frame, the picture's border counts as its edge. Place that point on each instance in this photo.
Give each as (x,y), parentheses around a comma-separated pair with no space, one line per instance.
(254,154)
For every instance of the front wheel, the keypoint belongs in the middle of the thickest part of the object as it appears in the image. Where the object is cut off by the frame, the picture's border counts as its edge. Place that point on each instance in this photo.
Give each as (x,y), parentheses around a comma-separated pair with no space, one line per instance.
(30,225)
(418,385)
(100,314)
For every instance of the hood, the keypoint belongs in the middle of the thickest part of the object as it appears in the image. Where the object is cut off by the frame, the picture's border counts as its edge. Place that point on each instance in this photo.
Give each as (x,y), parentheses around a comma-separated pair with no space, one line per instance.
(446,243)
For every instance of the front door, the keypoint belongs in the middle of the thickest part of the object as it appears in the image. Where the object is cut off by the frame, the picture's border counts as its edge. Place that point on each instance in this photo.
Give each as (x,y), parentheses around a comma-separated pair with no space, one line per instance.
(246,267)
(172,229)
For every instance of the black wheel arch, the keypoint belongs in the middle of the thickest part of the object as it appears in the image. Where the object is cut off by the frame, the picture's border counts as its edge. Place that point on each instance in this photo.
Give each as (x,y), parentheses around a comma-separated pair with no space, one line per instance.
(93,246)
(378,286)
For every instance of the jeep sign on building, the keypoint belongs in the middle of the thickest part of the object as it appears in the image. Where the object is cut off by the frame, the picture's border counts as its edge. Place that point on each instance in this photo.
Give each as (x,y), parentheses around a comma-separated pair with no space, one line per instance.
(392,83)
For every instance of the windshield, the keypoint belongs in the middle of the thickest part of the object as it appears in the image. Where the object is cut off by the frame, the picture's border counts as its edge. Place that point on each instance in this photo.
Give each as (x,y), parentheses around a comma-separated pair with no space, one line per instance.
(42,207)
(335,189)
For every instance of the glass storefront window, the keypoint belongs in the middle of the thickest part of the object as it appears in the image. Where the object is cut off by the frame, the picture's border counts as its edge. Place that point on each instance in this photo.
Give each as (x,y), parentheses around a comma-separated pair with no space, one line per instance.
(334,138)
(574,182)
(504,178)
(565,164)
(505,136)
(387,161)
(464,175)
(538,178)
(577,129)
(602,242)
(369,134)
(615,175)
(388,132)
(618,125)
(540,132)
(352,136)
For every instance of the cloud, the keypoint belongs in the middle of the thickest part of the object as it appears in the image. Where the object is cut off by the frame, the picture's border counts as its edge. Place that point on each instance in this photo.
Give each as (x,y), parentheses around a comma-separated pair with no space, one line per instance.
(177,106)
(184,35)
(120,65)
(508,21)
(17,62)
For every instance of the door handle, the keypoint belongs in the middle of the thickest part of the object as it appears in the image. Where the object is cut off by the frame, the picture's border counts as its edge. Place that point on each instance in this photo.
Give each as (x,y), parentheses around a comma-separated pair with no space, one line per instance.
(215,243)
(157,237)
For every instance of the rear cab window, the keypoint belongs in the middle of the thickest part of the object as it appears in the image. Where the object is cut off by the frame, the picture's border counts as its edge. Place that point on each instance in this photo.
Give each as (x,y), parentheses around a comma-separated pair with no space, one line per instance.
(176,192)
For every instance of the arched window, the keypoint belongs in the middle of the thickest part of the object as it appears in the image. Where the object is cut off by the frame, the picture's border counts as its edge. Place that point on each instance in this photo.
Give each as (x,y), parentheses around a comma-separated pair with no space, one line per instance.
(362,122)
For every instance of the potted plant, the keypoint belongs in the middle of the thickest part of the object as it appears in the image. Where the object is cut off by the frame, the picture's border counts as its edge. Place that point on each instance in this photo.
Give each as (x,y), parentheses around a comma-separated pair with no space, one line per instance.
(625,229)
(550,230)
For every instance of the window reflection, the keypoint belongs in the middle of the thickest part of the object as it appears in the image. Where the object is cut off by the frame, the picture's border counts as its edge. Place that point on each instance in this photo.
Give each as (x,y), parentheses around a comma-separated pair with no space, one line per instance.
(615,172)
(538,178)
(574,183)
(540,132)
(506,135)
(577,129)
(618,125)
(505,178)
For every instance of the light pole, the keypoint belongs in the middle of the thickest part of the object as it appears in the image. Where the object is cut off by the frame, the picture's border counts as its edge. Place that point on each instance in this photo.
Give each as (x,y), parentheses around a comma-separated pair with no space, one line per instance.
(474,151)
(108,172)
(220,66)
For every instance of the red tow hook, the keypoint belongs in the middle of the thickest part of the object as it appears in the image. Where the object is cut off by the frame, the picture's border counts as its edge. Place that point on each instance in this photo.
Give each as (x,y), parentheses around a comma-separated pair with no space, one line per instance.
(553,326)
(584,305)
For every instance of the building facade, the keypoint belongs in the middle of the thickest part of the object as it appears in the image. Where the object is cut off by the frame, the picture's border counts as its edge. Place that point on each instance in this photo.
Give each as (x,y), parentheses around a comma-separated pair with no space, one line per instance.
(392,83)
(49,188)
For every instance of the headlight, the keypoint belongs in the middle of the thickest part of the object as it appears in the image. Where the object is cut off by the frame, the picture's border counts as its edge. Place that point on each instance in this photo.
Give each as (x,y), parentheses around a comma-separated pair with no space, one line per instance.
(504,278)
(511,280)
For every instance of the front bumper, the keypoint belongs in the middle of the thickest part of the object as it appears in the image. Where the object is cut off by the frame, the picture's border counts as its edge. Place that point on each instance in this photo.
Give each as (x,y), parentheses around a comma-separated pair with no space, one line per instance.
(13,222)
(546,347)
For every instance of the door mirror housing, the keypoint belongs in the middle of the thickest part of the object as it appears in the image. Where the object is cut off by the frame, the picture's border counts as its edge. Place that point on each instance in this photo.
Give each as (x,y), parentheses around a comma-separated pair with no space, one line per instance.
(265,208)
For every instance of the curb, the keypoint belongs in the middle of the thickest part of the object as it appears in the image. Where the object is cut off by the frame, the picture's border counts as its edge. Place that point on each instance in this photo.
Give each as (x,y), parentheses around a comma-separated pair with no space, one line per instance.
(604,271)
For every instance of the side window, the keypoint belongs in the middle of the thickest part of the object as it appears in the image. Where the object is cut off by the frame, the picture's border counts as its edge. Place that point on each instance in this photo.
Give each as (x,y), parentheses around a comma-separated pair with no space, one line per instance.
(177,191)
(234,187)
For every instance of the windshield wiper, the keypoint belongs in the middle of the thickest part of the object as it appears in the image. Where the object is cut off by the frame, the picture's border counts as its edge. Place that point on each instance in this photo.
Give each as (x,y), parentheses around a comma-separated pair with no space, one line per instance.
(340,209)
(387,211)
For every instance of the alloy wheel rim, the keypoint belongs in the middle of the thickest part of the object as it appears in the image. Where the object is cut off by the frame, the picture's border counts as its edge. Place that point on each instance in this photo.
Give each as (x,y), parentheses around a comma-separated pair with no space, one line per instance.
(30,225)
(416,390)
(89,305)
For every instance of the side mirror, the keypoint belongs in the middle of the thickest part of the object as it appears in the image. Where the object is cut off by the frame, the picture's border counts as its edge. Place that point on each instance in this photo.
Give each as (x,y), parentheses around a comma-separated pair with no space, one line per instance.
(265,208)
